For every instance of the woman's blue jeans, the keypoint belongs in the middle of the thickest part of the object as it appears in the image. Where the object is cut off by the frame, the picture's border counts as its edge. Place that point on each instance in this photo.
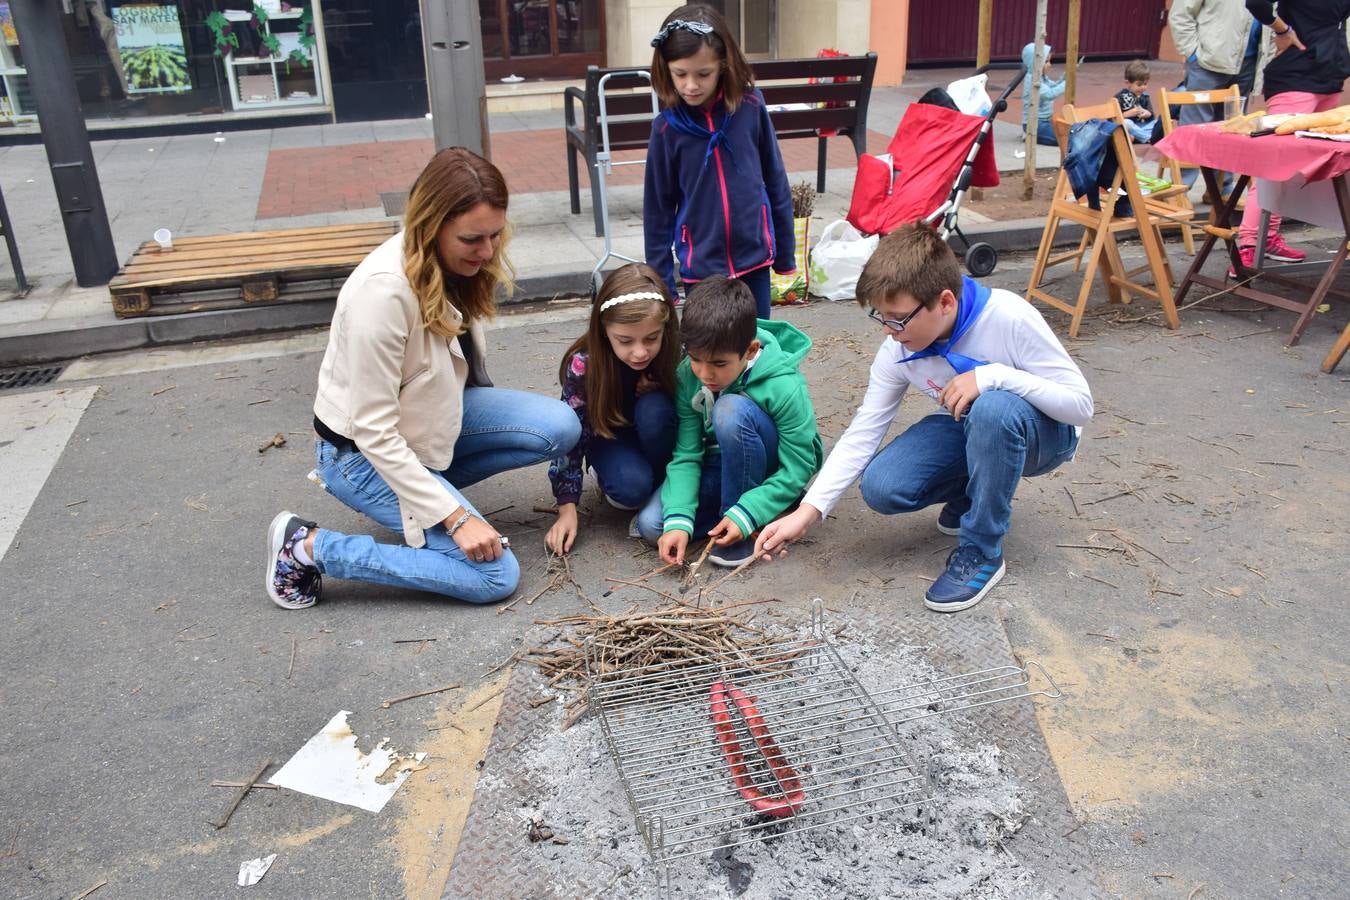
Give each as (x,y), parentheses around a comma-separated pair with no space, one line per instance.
(631,465)
(748,440)
(973,464)
(502,429)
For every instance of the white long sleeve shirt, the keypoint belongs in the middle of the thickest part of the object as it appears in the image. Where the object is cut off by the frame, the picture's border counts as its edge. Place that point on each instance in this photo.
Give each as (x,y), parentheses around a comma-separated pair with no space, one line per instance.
(1023,356)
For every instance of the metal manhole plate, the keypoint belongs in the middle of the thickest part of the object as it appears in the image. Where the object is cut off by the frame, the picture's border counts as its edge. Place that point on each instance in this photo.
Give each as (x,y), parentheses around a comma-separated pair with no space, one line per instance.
(831,749)
(30,377)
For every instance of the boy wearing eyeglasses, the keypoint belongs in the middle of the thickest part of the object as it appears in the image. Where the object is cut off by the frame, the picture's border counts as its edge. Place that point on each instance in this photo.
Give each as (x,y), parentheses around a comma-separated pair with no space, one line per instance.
(1011,404)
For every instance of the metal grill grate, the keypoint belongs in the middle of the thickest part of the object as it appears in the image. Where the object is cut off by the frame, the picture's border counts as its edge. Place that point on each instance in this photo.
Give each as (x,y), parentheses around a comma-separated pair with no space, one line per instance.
(800,745)
(17,378)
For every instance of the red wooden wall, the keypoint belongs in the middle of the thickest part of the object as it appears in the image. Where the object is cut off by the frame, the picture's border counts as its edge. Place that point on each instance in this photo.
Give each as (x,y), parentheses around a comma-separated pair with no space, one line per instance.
(946,31)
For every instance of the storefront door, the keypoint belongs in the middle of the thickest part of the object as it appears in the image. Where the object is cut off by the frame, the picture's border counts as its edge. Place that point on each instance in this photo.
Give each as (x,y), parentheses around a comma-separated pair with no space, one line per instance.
(541,38)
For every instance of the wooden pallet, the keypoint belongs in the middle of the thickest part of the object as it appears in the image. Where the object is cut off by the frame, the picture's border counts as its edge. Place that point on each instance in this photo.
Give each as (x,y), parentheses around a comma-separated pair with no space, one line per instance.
(228,271)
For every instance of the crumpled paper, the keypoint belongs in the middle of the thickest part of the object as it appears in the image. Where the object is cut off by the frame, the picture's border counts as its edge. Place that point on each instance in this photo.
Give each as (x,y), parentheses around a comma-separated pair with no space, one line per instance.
(252,871)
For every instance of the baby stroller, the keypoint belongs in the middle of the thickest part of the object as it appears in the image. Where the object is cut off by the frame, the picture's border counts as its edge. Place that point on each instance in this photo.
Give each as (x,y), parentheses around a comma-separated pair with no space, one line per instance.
(938,153)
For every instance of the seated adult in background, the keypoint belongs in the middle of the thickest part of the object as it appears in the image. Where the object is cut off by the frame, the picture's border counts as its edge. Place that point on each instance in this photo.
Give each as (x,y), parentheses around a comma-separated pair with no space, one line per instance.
(405,413)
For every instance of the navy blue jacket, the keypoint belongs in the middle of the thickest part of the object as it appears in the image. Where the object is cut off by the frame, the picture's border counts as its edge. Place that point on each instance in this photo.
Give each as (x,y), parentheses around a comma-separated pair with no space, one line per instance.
(716,191)
(1324,66)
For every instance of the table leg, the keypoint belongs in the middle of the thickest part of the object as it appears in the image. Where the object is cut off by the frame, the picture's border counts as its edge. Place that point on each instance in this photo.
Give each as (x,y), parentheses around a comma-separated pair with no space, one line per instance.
(1220,215)
(1334,357)
(1338,184)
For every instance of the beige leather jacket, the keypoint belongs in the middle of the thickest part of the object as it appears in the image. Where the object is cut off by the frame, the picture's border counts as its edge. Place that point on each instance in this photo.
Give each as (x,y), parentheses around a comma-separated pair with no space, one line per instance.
(1216,31)
(395,388)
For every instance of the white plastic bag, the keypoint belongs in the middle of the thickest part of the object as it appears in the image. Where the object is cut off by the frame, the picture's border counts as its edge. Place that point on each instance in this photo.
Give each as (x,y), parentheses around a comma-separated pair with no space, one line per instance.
(838,260)
(971,95)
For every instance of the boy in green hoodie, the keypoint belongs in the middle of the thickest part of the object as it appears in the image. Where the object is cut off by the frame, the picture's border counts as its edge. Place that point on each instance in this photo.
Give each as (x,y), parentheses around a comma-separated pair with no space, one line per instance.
(747,442)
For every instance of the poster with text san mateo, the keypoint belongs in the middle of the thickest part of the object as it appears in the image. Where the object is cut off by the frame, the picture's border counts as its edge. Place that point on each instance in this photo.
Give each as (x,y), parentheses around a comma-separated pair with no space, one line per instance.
(150,42)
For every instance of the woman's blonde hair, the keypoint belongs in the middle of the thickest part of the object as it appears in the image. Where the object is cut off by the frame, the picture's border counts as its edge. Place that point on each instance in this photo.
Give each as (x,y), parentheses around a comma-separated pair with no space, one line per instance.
(455,181)
(604,379)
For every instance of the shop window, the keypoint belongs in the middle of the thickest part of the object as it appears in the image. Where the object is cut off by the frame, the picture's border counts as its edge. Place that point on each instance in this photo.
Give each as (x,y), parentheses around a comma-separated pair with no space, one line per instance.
(541,38)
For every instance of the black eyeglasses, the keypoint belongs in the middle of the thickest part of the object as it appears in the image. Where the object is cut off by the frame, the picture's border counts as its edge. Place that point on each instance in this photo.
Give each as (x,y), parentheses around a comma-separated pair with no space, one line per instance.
(895,324)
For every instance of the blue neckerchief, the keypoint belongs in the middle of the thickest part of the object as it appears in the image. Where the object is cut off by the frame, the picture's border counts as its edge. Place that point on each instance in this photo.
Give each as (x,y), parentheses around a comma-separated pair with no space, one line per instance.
(974,296)
(680,118)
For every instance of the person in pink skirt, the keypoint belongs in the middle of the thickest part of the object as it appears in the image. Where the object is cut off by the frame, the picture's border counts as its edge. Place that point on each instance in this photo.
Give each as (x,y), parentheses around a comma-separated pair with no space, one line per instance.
(1306,74)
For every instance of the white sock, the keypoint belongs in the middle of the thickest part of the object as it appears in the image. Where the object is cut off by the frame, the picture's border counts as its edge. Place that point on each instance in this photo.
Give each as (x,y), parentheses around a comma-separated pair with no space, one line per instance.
(298,551)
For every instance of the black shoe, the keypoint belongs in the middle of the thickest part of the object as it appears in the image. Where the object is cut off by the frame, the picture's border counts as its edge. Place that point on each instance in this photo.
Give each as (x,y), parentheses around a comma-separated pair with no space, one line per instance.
(732,555)
(949,520)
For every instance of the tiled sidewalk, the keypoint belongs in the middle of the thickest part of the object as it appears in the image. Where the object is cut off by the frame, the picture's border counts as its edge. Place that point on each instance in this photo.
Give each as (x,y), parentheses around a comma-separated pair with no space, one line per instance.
(310,180)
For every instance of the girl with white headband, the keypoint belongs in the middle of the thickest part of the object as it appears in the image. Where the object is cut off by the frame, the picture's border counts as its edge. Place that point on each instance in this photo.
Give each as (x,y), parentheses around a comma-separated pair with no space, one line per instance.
(619,378)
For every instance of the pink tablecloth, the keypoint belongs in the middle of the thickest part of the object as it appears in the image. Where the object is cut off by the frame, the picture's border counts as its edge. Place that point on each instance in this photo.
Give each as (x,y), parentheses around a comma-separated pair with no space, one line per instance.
(1277,157)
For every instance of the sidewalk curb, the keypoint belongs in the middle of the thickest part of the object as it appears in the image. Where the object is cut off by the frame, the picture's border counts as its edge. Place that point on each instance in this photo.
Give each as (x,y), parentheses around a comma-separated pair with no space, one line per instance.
(47,341)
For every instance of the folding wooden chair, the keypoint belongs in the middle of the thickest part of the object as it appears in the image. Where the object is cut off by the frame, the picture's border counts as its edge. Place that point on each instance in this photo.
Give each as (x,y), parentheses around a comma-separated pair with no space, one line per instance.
(1100,227)
(1172,168)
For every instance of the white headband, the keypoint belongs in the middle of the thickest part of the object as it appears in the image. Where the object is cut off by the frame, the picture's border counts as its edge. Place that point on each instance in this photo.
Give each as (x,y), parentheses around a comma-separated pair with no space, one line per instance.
(636,295)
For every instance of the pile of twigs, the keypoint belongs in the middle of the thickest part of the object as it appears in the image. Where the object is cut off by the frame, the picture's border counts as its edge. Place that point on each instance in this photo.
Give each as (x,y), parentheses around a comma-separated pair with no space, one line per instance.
(596,645)
(559,572)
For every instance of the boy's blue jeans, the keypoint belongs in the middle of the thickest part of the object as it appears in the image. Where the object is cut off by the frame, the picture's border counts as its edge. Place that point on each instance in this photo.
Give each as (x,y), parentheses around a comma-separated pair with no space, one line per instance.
(502,429)
(748,440)
(631,465)
(973,464)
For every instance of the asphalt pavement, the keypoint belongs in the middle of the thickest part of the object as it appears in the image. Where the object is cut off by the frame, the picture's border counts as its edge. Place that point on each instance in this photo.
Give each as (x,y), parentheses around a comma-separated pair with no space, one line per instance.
(1183,579)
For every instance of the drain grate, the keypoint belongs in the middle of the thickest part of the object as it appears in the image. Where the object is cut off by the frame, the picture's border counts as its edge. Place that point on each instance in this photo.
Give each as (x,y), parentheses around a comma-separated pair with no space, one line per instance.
(18,378)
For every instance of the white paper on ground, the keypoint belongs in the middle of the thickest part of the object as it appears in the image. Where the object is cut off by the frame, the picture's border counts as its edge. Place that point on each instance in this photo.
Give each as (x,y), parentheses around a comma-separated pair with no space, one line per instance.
(331,767)
(252,871)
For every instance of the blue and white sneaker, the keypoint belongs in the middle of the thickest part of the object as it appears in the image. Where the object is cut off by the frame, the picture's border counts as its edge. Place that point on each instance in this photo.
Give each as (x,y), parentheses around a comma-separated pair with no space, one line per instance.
(968,577)
(949,520)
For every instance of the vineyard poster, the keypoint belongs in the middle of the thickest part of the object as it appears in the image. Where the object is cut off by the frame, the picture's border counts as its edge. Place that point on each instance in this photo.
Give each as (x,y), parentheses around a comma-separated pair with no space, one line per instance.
(150,41)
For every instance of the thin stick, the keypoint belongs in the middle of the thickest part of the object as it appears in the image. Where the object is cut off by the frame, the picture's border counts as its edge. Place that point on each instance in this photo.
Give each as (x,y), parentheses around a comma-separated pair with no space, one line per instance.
(291,667)
(648,587)
(14,843)
(414,640)
(657,571)
(1195,890)
(1091,547)
(85,893)
(693,570)
(238,784)
(1102,581)
(449,687)
(229,810)
(1109,637)
(485,700)
(1073,501)
(749,561)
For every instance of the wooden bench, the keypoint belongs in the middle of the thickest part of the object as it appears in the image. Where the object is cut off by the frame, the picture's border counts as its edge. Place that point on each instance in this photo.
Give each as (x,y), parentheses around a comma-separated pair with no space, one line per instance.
(232,270)
(782,81)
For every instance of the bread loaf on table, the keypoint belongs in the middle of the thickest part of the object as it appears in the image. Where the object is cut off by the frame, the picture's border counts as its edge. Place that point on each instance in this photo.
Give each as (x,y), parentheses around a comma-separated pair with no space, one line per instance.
(1308,121)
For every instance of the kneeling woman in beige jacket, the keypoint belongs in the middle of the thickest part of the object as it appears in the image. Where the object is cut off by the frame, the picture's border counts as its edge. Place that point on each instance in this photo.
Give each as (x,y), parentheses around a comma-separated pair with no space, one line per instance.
(405,414)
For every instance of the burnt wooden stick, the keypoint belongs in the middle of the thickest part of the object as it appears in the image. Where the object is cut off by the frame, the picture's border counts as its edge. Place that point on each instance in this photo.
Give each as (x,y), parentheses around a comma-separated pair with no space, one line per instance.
(239,796)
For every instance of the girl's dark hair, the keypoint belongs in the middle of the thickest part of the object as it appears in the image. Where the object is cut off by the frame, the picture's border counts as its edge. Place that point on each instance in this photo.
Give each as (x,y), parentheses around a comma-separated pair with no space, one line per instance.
(681,43)
(604,406)
(719,317)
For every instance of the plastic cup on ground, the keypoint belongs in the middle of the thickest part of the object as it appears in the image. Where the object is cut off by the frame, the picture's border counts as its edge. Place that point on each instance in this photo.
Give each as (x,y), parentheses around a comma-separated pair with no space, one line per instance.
(164,238)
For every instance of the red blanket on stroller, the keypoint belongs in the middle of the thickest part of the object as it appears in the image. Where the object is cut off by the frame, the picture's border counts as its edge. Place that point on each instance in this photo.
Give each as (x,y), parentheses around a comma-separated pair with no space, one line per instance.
(927,153)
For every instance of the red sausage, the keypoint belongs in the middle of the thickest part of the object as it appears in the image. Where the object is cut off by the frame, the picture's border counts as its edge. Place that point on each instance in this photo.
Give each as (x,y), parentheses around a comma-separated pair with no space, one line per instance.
(780,807)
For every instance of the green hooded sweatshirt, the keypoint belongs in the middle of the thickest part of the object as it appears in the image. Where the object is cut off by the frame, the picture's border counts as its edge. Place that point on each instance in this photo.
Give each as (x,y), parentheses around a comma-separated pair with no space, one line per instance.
(775,384)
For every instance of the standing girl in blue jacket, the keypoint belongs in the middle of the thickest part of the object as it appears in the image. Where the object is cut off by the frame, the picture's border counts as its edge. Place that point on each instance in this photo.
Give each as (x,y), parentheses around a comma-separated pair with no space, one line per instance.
(716,191)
